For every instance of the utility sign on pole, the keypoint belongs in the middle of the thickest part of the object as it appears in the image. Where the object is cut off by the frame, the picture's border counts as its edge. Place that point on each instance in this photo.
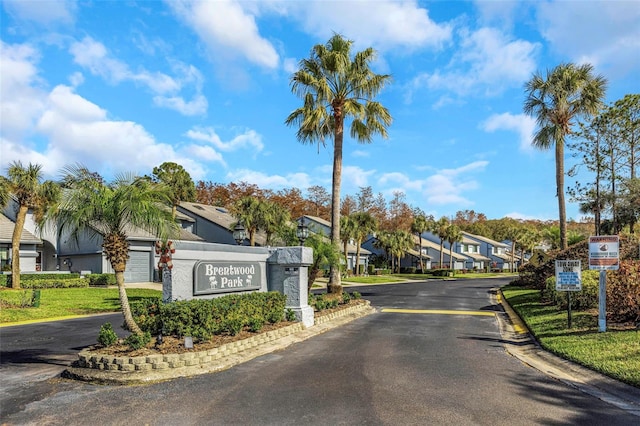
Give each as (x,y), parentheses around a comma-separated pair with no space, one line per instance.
(603,256)
(568,275)
(568,278)
(603,252)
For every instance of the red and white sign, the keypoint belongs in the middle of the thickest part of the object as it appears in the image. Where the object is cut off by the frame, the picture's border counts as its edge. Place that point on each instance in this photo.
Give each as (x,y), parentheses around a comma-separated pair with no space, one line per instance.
(603,252)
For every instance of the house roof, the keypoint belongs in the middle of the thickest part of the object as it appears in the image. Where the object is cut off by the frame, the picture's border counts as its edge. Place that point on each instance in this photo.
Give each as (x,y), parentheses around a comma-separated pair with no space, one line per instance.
(6,232)
(430,244)
(477,256)
(483,239)
(220,216)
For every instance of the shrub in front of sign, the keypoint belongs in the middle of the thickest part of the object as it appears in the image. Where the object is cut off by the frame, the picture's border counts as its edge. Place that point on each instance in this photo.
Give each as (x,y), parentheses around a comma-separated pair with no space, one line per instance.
(203,318)
(587,298)
(623,293)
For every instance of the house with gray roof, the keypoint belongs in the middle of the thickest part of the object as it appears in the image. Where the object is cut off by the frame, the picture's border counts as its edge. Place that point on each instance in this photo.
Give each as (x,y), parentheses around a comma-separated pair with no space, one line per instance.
(30,247)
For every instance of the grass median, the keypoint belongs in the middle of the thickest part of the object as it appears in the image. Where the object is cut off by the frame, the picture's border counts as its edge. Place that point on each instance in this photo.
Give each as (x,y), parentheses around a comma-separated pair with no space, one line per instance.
(615,353)
(67,302)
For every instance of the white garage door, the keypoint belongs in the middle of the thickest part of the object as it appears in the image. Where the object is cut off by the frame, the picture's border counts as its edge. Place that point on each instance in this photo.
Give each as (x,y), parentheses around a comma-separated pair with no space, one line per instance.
(138,267)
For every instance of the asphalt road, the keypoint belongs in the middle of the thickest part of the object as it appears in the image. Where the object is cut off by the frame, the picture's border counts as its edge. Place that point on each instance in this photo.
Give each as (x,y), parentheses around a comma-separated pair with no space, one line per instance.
(432,354)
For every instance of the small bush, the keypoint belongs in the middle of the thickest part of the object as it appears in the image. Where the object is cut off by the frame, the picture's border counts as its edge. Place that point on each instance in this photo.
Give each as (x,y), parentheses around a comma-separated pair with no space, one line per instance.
(101,279)
(290,315)
(107,336)
(138,341)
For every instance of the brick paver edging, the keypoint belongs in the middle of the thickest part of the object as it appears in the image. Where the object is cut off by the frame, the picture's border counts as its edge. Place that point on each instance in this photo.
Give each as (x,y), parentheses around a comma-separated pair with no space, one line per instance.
(108,369)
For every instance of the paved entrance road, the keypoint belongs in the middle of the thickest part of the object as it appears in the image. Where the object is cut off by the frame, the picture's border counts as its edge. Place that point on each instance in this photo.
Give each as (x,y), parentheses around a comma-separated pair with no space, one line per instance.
(389,368)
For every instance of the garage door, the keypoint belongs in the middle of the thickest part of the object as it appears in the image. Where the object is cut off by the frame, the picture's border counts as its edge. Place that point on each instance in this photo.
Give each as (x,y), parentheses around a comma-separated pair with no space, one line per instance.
(138,269)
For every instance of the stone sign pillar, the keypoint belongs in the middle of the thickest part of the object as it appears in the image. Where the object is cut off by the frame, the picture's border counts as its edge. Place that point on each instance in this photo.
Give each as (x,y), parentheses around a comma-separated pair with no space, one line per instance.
(288,274)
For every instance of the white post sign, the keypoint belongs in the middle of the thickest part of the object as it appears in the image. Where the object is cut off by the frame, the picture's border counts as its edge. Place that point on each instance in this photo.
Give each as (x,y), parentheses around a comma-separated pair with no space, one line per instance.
(603,256)
(603,252)
(568,275)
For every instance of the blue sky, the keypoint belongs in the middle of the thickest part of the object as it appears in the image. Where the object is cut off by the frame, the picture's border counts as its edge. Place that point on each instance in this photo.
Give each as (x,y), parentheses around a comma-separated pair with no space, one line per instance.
(126,85)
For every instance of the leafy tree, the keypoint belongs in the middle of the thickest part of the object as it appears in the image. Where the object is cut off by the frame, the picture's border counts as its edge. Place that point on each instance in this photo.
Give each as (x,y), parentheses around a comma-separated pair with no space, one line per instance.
(88,205)
(348,205)
(25,185)
(567,92)
(400,213)
(320,200)
(334,87)
(179,182)
(365,199)
(365,224)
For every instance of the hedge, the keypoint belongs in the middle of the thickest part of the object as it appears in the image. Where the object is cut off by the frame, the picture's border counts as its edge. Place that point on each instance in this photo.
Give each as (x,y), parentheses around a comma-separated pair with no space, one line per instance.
(26,279)
(203,318)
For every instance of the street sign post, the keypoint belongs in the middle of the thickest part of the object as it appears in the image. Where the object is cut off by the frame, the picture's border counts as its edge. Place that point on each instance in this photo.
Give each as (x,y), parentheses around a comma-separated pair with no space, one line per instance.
(569,279)
(603,256)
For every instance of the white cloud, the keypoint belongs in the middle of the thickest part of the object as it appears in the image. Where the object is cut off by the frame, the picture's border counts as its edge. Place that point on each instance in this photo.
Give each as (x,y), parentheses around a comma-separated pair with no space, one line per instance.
(401,179)
(488,62)
(250,139)
(94,56)
(523,124)
(206,153)
(227,29)
(265,181)
(360,153)
(42,12)
(604,33)
(22,97)
(448,185)
(385,25)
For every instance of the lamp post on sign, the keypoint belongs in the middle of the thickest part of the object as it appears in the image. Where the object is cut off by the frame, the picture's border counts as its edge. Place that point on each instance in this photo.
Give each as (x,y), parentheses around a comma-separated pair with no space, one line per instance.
(603,256)
(569,279)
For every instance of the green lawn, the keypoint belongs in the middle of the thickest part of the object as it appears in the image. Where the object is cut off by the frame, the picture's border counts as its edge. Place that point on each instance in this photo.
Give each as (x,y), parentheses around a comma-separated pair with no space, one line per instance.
(59,303)
(614,353)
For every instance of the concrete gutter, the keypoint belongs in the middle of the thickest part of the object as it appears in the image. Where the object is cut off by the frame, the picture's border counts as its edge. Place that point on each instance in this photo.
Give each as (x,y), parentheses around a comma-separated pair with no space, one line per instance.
(521,344)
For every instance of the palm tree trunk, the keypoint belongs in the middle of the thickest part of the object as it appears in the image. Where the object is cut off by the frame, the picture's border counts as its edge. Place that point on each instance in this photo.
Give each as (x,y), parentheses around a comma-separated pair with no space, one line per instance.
(335,285)
(124,303)
(560,191)
(15,246)
(358,258)
(421,262)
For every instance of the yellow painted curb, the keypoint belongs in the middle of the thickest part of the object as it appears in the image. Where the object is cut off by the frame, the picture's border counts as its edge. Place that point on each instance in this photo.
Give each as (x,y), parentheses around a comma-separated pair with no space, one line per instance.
(518,325)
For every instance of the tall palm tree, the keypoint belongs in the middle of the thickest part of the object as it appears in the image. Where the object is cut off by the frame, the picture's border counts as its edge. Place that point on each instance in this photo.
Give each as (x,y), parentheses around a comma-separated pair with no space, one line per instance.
(88,205)
(567,92)
(420,225)
(401,243)
(334,87)
(25,185)
(440,229)
(365,224)
(453,235)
